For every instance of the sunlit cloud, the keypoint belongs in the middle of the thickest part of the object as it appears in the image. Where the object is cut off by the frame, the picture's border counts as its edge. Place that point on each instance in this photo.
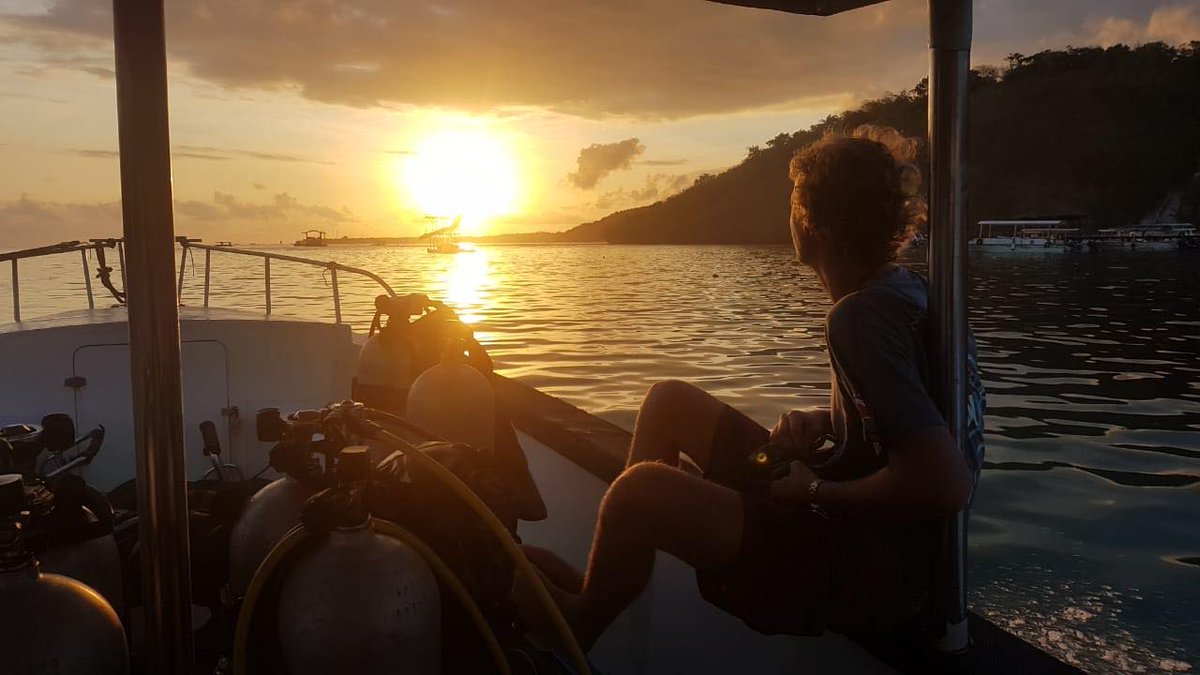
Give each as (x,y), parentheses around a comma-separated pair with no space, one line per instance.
(1175,24)
(600,159)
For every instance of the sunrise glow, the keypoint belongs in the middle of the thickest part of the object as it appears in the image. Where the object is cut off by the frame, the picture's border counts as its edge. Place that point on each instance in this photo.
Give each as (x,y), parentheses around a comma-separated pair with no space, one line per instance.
(471,173)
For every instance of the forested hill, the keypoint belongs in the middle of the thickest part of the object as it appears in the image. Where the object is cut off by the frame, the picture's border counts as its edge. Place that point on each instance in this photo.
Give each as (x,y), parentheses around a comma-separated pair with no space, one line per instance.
(1102,132)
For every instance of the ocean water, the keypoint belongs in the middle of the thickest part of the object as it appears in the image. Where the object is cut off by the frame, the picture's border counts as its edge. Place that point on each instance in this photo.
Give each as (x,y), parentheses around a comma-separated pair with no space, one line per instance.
(1083,537)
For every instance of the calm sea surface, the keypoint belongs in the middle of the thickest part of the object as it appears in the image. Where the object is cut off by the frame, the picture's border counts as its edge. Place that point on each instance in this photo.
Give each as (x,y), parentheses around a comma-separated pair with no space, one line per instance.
(1084,536)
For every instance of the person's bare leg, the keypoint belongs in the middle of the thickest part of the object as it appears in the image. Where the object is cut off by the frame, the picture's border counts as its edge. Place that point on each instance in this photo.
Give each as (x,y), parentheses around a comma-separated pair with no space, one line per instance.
(675,417)
(649,507)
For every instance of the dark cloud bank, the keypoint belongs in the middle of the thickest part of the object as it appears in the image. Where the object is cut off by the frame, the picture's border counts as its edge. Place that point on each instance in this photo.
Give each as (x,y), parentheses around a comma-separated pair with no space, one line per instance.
(660,59)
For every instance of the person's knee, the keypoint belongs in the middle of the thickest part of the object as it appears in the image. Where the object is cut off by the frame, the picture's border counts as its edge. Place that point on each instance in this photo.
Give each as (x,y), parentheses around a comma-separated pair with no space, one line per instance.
(666,395)
(635,494)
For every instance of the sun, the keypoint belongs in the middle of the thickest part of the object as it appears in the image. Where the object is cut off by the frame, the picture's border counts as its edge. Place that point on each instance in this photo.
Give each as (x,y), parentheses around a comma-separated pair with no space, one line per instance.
(468,173)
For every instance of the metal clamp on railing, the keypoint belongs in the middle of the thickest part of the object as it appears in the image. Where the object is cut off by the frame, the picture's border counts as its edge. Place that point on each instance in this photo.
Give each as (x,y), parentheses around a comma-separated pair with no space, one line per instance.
(332,267)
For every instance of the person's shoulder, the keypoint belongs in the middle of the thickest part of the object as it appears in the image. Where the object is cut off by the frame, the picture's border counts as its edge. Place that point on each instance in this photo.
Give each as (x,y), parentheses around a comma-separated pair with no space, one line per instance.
(888,304)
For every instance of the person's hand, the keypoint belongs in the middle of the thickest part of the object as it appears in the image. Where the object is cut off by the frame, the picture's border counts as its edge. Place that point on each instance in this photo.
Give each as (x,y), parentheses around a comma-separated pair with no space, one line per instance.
(793,488)
(801,431)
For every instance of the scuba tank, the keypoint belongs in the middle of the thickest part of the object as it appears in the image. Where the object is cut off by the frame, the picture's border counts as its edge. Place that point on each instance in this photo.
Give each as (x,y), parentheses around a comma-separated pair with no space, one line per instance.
(400,349)
(269,514)
(70,524)
(51,623)
(455,401)
(447,394)
(359,601)
(275,509)
(388,362)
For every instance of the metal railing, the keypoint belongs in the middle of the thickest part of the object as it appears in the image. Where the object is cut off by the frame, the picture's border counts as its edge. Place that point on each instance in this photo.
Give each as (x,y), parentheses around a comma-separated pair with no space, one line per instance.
(97,245)
(332,267)
(100,245)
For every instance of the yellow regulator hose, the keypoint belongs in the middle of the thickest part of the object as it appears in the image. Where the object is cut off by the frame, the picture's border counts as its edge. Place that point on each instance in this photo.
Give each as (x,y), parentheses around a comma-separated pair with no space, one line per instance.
(266,569)
(510,546)
(286,548)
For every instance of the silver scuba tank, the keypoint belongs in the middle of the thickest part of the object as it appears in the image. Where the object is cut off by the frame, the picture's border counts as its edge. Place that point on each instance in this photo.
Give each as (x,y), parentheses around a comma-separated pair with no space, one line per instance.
(95,562)
(50,623)
(455,401)
(269,514)
(360,601)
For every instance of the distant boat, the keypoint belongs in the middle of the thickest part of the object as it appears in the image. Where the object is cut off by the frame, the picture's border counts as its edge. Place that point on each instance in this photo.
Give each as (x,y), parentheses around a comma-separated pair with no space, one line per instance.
(224,244)
(443,239)
(311,238)
(1015,234)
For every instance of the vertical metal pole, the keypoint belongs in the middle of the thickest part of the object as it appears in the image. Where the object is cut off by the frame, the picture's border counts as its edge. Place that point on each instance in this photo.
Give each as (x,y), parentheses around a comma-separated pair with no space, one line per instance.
(16,291)
(949,70)
(267,279)
(337,296)
(207,275)
(141,68)
(182,264)
(87,279)
(121,258)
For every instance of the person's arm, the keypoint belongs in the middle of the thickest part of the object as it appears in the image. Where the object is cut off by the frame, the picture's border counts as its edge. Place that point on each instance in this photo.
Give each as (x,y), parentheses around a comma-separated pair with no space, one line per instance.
(871,345)
(926,476)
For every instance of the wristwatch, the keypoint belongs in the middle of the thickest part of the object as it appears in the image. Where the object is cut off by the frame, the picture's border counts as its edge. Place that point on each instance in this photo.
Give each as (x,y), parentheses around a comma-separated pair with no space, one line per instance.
(813,488)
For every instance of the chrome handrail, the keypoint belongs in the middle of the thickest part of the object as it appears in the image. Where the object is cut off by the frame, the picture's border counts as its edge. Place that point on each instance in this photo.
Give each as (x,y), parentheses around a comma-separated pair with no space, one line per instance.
(185,244)
(55,249)
(267,256)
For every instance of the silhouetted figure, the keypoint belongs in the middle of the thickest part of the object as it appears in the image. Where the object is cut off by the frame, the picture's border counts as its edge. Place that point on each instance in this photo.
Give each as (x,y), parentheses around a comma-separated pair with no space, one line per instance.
(845,539)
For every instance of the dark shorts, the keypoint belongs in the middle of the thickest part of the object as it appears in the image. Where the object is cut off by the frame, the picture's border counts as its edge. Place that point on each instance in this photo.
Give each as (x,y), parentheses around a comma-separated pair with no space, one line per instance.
(799,573)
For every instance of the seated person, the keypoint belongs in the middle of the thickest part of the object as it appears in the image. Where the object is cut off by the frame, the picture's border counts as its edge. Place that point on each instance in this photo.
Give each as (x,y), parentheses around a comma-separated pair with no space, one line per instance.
(845,540)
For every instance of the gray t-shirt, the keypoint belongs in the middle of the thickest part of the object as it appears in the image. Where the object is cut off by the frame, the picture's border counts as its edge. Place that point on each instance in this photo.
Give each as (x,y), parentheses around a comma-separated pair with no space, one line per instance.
(877,352)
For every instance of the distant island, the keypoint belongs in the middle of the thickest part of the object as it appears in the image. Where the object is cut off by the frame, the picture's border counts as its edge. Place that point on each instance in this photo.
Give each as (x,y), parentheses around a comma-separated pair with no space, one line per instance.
(1111,134)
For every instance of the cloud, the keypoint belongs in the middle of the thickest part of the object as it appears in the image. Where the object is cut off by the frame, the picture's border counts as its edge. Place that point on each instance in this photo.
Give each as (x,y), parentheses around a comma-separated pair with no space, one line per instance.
(93,153)
(24,221)
(662,162)
(205,152)
(665,59)
(657,186)
(661,59)
(1175,24)
(211,153)
(600,159)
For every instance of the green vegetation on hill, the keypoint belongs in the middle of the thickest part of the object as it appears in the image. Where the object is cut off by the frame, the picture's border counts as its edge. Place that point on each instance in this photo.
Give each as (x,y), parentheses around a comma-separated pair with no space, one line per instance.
(1102,132)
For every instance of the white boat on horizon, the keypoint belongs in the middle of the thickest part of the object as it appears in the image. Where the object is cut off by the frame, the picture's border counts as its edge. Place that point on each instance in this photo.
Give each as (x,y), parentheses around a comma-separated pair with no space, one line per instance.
(1023,234)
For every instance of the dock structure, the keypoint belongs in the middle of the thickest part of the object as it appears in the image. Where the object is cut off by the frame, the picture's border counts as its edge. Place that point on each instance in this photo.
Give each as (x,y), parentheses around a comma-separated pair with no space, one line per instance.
(1060,233)
(1145,236)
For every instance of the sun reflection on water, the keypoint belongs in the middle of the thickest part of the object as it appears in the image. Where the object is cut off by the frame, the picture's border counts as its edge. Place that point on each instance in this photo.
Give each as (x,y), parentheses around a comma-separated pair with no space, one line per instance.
(467,285)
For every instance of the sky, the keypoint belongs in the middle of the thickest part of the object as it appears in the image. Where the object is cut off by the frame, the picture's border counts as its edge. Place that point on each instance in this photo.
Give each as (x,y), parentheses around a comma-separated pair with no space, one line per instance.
(383,117)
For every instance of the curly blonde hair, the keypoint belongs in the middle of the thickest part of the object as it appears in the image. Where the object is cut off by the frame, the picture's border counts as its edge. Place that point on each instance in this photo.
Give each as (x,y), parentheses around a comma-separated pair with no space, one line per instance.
(861,191)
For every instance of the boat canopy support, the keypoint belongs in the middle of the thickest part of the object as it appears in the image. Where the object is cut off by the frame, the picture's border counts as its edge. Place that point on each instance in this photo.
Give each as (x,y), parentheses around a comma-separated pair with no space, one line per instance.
(146,210)
(950,28)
